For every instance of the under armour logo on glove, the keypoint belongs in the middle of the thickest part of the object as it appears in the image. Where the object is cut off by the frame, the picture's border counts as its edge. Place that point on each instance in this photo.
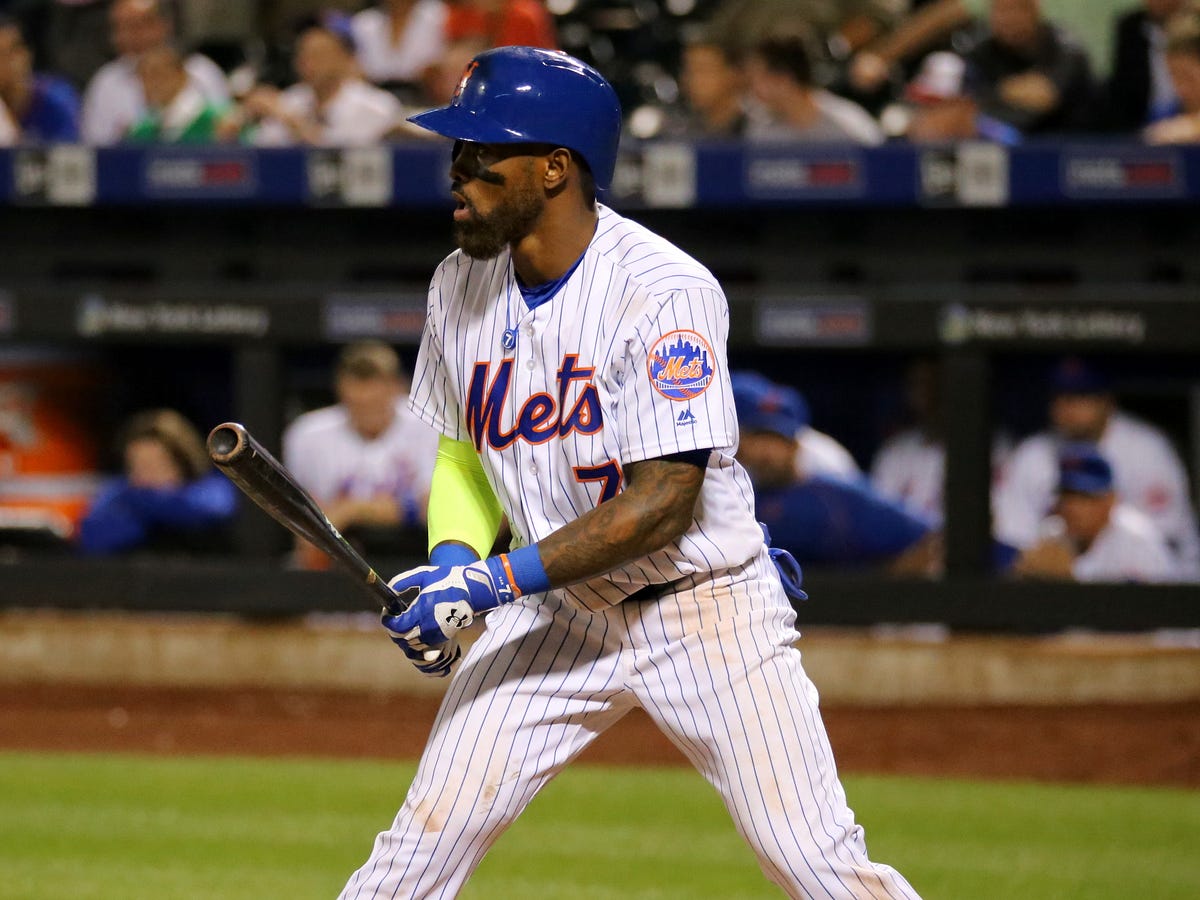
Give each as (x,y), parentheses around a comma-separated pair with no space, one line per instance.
(454,616)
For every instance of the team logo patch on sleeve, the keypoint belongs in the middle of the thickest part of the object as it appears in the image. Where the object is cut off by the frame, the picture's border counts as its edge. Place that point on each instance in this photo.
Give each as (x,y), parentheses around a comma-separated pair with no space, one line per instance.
(681,365)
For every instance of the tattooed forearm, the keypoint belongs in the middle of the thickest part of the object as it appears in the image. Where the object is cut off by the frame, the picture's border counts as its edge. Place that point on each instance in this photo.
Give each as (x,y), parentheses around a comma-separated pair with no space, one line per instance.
(655,508)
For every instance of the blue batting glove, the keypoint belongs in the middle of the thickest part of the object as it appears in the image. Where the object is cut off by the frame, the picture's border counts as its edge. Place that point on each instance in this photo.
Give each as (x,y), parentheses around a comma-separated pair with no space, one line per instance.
(450,597)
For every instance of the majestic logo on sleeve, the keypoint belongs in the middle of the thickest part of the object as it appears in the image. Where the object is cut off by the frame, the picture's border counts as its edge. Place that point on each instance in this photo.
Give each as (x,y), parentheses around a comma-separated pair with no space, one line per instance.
(681,365)
(542,417)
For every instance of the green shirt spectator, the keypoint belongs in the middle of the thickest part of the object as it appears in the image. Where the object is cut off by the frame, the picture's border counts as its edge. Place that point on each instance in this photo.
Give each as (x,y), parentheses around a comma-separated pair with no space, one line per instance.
(177,111)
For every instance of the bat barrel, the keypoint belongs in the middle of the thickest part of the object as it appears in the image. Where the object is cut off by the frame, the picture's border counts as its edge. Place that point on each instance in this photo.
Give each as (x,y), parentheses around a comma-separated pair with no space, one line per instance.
(227,442)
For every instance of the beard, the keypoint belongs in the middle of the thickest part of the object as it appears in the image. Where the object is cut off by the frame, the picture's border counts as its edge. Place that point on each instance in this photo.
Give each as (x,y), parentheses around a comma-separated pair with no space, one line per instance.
(484,237)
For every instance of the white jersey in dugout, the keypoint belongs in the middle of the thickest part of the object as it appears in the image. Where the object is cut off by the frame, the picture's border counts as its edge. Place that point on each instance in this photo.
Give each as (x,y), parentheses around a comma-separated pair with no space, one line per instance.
(1130,548)
(1147,473)
(626,362)
(334,462)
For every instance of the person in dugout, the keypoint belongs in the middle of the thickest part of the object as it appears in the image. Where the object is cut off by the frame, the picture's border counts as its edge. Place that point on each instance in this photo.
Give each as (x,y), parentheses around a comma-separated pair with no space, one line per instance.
(819,519)
(169,498)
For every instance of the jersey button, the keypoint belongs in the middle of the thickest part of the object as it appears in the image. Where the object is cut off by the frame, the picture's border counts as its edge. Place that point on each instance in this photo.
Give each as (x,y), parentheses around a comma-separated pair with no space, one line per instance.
(533,468)
(530,364)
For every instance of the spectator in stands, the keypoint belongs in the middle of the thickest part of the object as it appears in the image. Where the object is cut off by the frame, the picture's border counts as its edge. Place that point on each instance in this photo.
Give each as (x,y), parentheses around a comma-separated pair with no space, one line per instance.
(1030,73)
(1148,473)
(114,101)
(781,79)
(1092,536)
(928,26)
(1139,89)
(396,41)
(169,498)
(176,111)
(502,23)
(367,460)
(935,107)
(821,520)
(1183,64)
(712,85)
(840,27)
(330,106)
(44,108)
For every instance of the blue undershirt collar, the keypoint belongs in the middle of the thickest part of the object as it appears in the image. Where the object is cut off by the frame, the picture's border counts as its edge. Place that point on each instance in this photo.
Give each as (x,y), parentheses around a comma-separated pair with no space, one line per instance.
(539,294)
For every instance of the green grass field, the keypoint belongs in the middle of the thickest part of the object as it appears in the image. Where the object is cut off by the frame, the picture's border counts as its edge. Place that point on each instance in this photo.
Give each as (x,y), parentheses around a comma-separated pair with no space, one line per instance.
(126,827)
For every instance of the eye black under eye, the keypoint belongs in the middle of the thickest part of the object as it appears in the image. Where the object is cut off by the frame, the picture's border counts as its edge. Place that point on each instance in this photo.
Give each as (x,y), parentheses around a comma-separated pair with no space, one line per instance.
(472,153)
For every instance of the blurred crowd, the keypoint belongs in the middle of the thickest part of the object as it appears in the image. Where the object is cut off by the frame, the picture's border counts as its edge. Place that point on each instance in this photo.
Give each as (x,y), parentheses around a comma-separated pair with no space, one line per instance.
(345,73)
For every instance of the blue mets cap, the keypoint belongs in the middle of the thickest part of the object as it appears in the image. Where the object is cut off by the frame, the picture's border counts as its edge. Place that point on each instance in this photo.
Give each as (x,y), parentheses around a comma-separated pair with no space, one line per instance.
(526,95)
(1082,470)
(1074,376)
(763,405)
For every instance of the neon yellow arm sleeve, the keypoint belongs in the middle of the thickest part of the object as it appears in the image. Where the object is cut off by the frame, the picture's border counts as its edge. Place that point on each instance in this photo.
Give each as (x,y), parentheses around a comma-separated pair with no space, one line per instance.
(462,506)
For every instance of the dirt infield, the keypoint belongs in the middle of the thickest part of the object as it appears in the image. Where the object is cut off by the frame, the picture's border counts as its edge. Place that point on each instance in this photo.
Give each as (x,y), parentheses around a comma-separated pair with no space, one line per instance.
(1127,743)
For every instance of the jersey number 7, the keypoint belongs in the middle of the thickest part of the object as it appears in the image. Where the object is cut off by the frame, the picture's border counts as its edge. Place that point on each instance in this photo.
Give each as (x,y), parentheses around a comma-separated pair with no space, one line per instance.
(608,474)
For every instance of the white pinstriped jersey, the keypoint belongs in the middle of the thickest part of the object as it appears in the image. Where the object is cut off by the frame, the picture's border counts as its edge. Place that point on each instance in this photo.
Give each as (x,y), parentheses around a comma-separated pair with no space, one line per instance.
(626,362)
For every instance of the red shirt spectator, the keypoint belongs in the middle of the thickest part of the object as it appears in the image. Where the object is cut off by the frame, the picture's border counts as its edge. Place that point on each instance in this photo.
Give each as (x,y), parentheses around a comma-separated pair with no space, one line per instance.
(503,23)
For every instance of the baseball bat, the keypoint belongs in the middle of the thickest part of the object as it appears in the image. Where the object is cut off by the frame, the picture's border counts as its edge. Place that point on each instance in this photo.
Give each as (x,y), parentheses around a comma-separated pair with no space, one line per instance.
(263,479)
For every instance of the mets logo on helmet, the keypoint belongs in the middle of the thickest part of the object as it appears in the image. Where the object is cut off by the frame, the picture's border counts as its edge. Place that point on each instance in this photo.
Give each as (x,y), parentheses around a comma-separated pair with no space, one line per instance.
(681,365)
(466,76)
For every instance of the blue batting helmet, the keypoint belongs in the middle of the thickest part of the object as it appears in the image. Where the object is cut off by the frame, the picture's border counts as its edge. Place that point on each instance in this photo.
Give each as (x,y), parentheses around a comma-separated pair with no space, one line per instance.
(517,95)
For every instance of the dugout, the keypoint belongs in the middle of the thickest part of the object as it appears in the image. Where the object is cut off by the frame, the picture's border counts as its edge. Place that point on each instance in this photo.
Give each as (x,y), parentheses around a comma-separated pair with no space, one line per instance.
(220,281)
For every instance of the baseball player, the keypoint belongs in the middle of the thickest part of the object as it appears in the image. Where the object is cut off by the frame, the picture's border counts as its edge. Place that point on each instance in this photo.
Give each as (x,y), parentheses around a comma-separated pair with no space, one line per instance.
(820,518)
(575,366)
(367,459)
(1092,536)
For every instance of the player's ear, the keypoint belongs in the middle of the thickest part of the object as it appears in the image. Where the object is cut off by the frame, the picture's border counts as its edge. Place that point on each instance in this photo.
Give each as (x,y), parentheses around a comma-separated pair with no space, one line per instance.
(558,166)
